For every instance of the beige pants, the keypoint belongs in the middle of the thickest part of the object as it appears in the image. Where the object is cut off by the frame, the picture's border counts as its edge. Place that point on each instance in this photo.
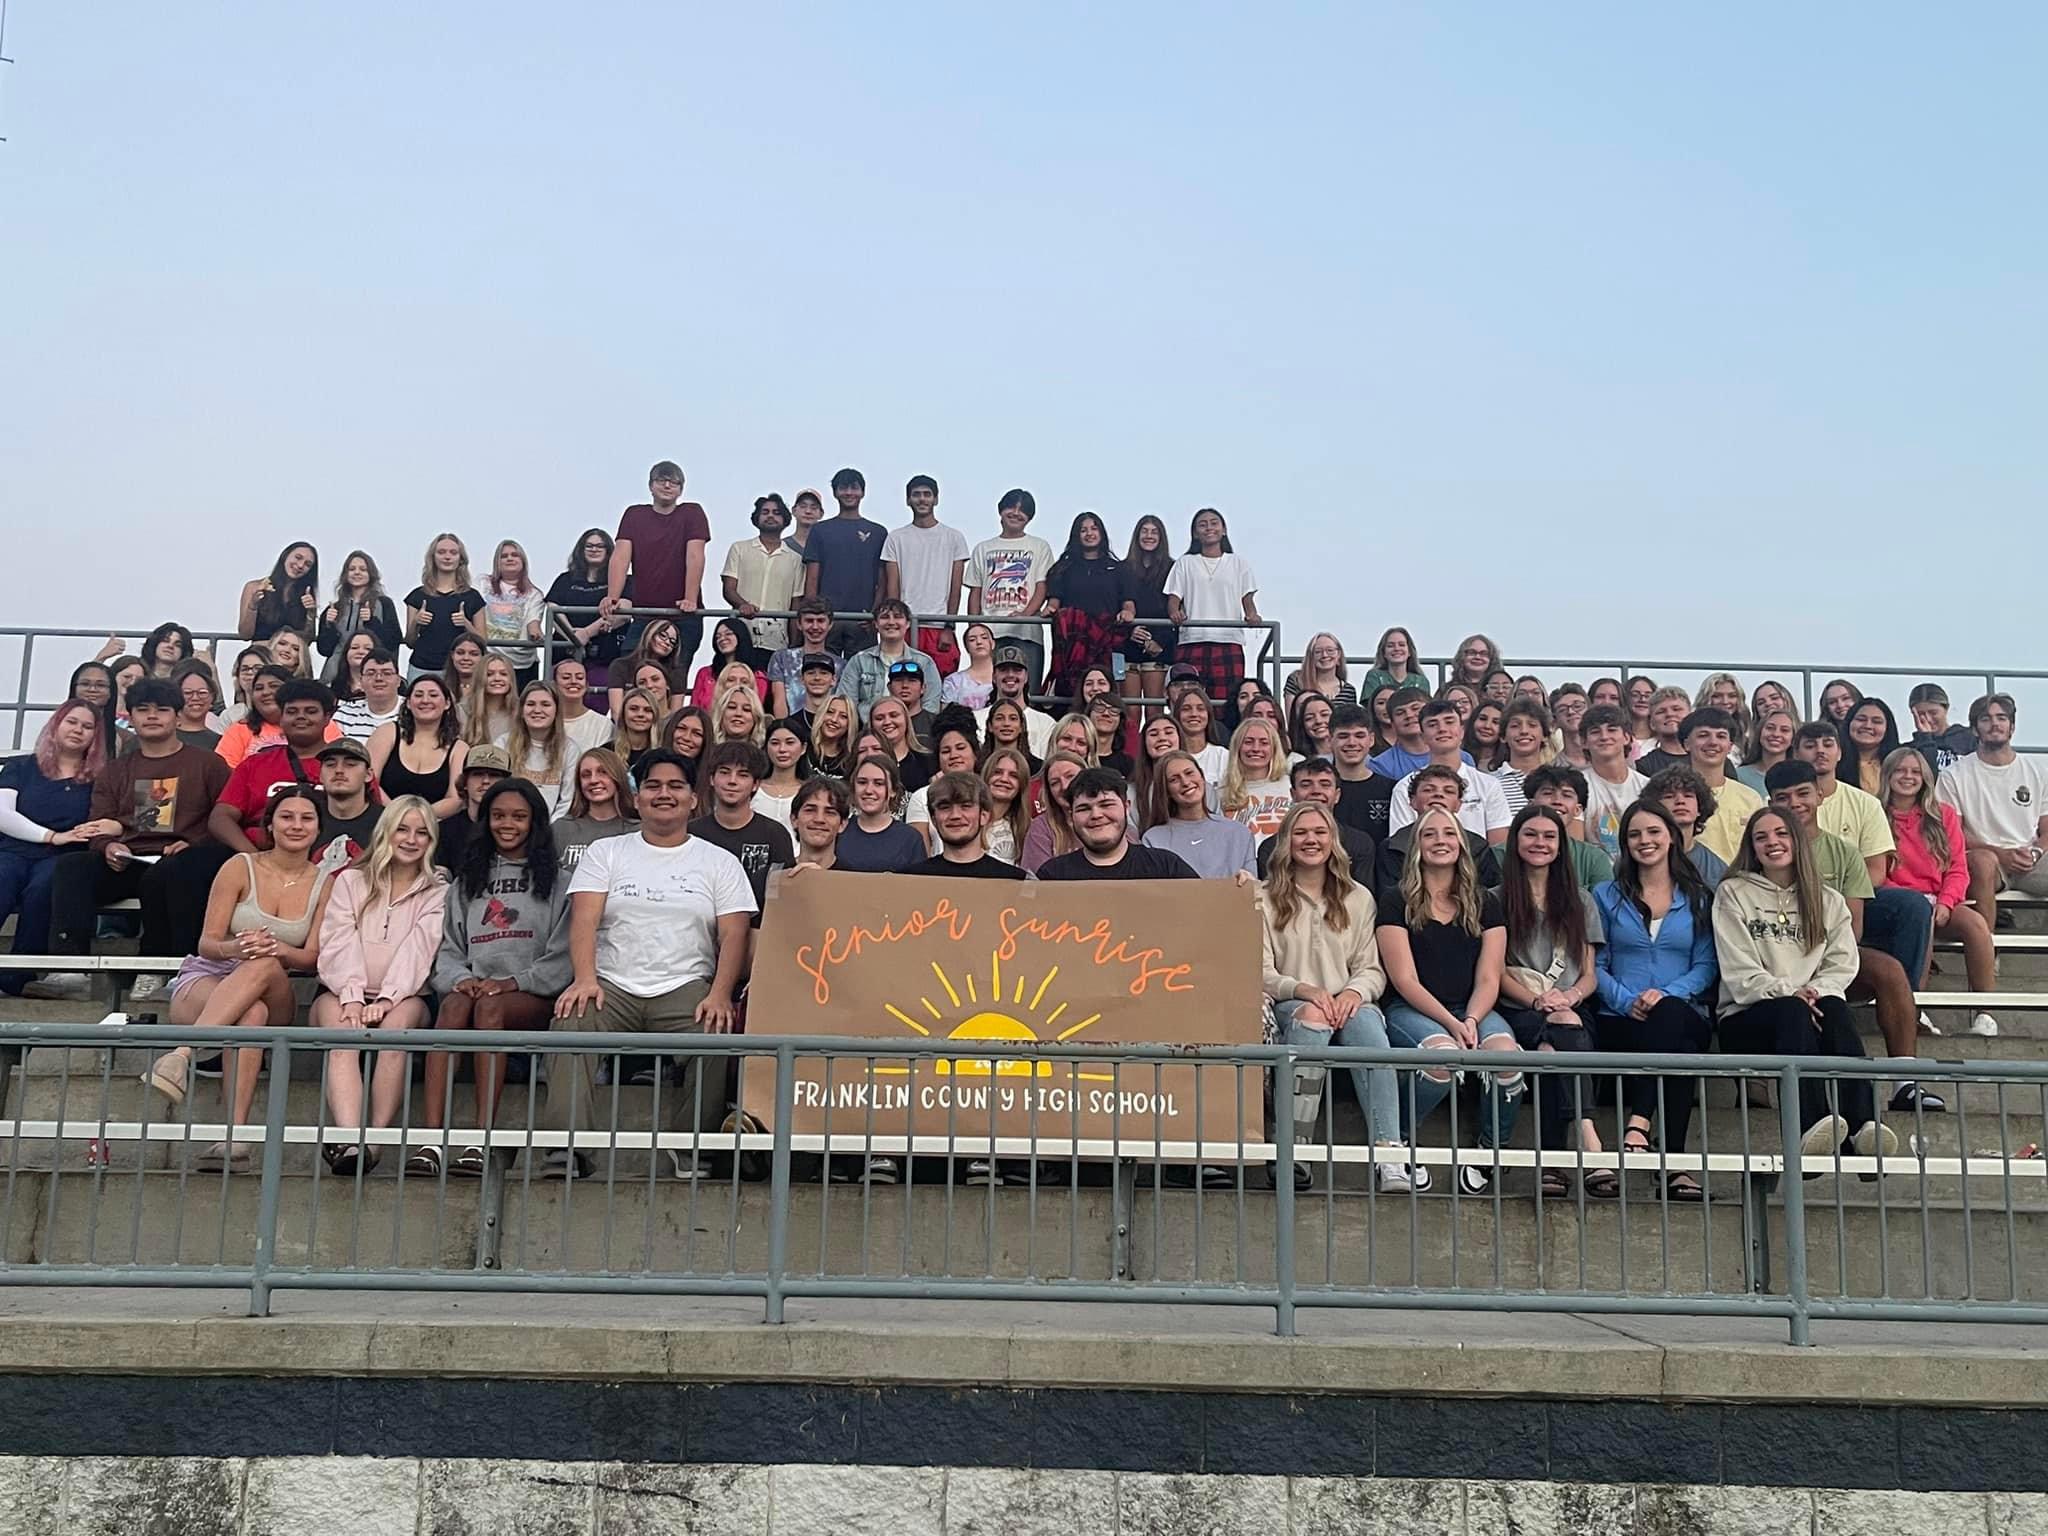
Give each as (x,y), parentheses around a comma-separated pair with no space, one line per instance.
(569,1104)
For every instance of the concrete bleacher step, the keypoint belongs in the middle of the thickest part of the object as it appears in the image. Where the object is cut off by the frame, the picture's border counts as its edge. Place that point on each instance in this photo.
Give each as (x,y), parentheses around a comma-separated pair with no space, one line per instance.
(928,1232)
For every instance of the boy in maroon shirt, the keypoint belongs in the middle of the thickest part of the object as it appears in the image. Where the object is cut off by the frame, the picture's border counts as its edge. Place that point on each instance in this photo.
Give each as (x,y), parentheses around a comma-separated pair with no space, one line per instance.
(661,544)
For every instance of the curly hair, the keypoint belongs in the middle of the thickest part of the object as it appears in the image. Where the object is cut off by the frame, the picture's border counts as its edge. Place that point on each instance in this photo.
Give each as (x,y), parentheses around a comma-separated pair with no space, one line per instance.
(478,854)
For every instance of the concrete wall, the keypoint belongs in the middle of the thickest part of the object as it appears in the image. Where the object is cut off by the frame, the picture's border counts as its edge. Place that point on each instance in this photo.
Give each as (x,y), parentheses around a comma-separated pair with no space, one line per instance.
(362,1496)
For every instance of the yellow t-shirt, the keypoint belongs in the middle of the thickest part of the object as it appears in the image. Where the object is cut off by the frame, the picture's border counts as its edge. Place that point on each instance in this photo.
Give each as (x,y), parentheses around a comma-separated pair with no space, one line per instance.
(1734,803)
(1858,819)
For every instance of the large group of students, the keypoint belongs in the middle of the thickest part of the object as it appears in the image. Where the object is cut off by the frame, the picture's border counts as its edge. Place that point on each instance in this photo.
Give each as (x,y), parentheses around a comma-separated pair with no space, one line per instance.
(458,819)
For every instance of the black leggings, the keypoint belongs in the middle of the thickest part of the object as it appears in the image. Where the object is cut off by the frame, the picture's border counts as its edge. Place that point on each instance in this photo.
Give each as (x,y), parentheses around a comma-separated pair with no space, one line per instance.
(1565,1096)
(1785,1026)
(1673,1028)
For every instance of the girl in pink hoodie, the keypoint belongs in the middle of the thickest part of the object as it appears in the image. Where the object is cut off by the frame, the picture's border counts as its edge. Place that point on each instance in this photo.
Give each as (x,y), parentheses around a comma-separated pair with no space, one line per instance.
(377,947)
(1930,861)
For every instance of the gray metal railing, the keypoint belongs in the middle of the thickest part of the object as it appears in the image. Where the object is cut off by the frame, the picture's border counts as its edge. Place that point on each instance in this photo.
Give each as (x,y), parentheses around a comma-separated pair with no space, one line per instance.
(96,1189)
(1266,663)
(1582,669)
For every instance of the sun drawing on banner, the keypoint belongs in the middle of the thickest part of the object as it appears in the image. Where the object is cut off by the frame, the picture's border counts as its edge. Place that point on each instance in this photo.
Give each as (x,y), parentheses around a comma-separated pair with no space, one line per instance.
(984,1013)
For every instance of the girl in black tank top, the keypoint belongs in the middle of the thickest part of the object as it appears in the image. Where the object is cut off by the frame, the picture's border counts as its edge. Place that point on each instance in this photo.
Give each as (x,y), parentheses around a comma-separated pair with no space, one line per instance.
(397,779)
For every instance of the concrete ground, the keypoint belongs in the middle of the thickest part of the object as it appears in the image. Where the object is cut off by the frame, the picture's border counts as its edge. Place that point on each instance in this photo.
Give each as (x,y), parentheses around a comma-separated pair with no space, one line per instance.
(1023,1344)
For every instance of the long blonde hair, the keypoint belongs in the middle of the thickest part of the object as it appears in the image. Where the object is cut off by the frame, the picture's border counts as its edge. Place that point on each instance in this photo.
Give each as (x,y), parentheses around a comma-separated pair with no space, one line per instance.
(834,760)
(1415,907)
(1741,711)
(525,582)
(1932,831)
(428,575)
(376,860)
(1809,895)
(1283,896)
(476,707)
(1093,755)
(622,743)
(757,734)
(1234,797)
(1343,673)
(519,746)
(614,768)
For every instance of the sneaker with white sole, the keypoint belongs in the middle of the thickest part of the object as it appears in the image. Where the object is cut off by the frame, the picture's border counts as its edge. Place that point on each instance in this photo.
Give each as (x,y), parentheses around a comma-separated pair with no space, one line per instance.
(1401,1178)
(1823,1139)
(981,1172)
(59,987)
(882,1170)
(1928,1026)
(1874,1140)
(1984,1026)
(683,1164)
(149,989)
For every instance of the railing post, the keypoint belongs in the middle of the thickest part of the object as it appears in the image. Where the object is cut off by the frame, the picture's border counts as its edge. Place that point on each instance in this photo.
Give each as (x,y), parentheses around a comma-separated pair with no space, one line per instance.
(1283,1196)
(273,1177)
(778,1183)
(28,651)
(1794,1186)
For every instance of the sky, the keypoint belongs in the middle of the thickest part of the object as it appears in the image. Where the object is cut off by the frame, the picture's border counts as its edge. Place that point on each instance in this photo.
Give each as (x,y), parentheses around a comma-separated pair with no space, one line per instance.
(1647,332)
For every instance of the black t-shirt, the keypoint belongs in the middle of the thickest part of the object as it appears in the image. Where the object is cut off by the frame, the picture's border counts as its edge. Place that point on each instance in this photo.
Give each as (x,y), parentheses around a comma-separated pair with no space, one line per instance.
(1364,804)
(1358,848)
(987,867)
(848,552)
(569,590)
(1138,863)
(1146,595)
(356,828)
(1446,956)
(916,770)
(447,615)
(761,845)
(455,835)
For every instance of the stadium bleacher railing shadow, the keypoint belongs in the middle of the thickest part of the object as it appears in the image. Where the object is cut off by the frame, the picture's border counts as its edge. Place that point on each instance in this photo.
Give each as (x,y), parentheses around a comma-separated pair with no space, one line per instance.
(101,1191)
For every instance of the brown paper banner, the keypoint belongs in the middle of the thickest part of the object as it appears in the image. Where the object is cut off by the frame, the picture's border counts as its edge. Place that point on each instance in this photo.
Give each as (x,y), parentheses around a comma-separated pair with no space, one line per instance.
(902,958)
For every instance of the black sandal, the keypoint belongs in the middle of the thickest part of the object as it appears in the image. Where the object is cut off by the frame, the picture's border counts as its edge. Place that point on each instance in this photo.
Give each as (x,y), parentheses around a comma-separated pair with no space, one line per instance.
(1554,1185)
(468,1163)
(425,1161)
(1686,1193)
(341,1160)
(1602,1184)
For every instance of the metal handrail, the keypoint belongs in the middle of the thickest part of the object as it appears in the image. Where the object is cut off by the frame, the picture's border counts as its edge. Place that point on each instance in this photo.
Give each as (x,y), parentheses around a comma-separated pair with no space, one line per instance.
(777,1279)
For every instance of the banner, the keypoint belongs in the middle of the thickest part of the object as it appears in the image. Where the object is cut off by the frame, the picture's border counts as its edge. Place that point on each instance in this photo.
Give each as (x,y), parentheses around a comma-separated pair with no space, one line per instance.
(904,958)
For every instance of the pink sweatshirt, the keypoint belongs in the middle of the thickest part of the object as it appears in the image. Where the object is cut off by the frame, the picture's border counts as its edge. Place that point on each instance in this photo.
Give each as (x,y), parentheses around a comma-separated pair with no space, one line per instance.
(1916,869)
(380,950)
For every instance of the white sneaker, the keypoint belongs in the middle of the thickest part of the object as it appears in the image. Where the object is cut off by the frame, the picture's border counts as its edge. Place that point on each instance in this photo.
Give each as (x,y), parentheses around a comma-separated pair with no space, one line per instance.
(1401,1178)
(60,987)
(1874,1140)
(149,989)
(1928,1026)
(1824,1138)
(1984,1026)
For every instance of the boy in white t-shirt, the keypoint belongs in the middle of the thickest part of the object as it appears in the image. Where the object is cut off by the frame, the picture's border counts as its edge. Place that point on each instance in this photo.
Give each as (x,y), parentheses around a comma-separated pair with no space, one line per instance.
(1612,786)
(1483,806)
(2002,799)
(658,924)
(923,563)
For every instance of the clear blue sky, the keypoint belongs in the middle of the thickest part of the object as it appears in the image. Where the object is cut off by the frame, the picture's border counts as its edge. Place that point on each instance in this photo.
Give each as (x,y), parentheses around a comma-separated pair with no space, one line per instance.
(1640,330)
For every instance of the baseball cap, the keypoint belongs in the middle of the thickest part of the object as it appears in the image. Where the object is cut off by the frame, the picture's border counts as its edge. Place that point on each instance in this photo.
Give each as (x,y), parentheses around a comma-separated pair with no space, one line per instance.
(487,759)
(814,660)
(906,669)
(346,746)
(1183,673)
(1011,656)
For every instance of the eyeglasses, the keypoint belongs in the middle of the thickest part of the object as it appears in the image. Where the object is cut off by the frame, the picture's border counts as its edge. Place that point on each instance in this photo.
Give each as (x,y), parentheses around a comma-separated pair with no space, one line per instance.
(664,480)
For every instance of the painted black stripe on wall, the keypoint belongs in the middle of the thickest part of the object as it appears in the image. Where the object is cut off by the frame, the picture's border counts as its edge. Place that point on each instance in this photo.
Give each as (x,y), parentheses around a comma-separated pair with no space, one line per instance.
(1774,1445)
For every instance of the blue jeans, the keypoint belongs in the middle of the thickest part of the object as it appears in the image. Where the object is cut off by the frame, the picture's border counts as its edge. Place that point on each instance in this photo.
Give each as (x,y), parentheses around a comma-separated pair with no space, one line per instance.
(25,896)
(1900,923)
(1409,1027)
(1376,1090)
